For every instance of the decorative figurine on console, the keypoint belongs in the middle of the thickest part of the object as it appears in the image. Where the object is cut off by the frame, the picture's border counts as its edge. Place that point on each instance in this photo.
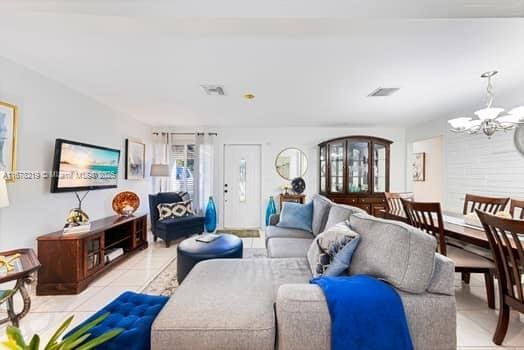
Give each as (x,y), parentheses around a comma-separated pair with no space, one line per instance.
(77,220)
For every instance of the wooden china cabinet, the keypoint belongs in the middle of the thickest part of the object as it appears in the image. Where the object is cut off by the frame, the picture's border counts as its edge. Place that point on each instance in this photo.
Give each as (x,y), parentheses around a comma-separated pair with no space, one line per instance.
(354,170)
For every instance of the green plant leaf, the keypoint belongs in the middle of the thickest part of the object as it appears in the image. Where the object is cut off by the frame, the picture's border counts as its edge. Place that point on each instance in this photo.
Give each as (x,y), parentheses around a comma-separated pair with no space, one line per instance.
(10,344)
(58,333)
(34,344)
(85,328)
(101,339)
(14,334)
(74,344)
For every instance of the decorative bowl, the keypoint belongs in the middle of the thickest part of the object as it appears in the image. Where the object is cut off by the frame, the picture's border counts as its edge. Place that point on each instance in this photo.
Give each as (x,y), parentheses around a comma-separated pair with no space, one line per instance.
(299,185)
(126,203)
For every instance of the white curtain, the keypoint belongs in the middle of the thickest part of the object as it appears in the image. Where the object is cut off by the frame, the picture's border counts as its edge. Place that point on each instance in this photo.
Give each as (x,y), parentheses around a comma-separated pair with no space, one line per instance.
(160,156)
(204,169)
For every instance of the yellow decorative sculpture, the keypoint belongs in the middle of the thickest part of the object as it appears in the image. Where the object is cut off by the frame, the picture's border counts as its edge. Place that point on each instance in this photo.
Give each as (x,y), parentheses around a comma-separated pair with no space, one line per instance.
(6,261)
(77,216)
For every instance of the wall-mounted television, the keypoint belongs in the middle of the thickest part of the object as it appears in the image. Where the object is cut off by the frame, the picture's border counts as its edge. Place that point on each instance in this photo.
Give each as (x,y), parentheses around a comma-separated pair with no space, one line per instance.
(82,167)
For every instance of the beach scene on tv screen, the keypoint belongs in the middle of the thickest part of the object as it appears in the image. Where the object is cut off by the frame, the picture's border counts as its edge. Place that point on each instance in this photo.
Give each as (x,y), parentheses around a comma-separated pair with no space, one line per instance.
(82,166)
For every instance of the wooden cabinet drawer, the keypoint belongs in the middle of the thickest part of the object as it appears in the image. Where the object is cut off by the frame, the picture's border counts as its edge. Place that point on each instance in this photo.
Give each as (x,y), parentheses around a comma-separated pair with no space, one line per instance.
(372,200)
(349,201)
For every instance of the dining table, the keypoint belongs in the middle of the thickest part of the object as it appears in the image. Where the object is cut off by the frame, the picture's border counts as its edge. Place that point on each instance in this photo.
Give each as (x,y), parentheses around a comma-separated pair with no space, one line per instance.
(454,227)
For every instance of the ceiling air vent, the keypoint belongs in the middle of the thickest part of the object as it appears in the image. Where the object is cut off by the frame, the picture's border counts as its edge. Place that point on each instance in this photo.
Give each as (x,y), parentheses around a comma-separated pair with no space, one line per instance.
(213,90)
(382,92)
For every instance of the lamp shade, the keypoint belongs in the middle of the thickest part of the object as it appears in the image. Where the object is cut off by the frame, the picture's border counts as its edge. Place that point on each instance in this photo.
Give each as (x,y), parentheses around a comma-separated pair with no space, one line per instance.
(159,170)
(488,113)
(4,198)
(459,123)
(519,112)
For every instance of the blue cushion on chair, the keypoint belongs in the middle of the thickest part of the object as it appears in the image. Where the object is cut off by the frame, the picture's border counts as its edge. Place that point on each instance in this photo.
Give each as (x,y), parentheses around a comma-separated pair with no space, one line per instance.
(296,215)
(134,313)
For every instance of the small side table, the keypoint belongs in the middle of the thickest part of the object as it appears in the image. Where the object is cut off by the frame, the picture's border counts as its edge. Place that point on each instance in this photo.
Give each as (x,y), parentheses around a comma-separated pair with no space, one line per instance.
(24,267)
(297,198)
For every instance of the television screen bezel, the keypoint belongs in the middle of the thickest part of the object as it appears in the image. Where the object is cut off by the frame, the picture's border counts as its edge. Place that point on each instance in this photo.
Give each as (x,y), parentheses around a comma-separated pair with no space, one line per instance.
(56,167)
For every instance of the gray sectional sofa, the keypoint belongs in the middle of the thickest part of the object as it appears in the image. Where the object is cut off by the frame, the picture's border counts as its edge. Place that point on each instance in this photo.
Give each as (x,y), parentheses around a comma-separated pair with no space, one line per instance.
(268,303)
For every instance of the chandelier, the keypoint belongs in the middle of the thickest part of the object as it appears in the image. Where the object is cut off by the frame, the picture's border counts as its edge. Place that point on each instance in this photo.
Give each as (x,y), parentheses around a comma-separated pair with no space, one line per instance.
(489,120)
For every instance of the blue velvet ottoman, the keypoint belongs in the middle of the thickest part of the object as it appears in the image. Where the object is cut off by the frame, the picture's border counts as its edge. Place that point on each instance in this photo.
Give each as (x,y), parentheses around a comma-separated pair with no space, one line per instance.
(190,252)
(134,313)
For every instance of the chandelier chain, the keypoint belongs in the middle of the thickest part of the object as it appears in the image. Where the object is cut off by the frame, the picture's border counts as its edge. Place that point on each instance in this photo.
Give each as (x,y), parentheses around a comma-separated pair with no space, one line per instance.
(490,94)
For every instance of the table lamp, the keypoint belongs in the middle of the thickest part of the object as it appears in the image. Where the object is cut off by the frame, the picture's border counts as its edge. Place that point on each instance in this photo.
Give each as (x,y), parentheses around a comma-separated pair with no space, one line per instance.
(4,198)
(159,170)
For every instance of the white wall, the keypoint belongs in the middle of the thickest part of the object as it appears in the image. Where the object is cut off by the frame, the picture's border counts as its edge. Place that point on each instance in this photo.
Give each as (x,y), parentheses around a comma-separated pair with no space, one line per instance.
(49,110)
(431,189)
(474,163)
(273,140)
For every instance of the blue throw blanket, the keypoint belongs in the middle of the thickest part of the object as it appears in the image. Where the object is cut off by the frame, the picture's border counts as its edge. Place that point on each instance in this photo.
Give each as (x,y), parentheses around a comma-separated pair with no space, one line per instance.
(365,314)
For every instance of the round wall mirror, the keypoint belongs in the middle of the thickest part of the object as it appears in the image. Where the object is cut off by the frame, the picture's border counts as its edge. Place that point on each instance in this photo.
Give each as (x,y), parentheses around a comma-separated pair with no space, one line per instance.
(291,163)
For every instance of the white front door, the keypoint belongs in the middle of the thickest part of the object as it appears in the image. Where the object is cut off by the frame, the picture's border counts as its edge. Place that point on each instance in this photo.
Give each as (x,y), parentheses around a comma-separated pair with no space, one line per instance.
(242,186)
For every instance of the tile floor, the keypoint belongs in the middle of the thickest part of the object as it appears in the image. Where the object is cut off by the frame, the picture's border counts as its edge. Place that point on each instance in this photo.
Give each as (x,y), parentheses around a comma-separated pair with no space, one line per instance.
(475,321)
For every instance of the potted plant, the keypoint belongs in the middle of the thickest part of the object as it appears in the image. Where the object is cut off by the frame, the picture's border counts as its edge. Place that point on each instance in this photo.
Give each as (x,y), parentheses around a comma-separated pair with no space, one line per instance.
(77,340)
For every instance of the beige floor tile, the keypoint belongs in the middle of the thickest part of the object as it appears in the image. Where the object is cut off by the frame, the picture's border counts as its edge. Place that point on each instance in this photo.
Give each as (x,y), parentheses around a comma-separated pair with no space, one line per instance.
(247,243)
(104,297)
(472,298)
(151,263)
(471,334)
(259,243)
(65,303)
(487,320)
(135,277)
(107,278)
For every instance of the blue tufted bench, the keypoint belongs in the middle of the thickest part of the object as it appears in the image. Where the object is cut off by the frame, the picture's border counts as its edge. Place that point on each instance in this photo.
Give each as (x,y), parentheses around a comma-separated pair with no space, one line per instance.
(134,313)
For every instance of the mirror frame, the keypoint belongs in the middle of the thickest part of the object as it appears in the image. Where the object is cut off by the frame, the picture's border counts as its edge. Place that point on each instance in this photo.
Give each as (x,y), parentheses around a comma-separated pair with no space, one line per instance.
(292,148)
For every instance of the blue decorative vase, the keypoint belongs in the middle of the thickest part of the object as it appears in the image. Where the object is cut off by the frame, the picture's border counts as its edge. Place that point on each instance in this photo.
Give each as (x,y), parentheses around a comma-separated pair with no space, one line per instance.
(210,222)
(271,209)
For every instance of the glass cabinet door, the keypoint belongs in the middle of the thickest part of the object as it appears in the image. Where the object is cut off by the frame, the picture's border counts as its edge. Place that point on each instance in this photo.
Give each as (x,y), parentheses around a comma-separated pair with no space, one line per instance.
(323,169)
(94,254)
(336,167)
(358,166)
(379,167)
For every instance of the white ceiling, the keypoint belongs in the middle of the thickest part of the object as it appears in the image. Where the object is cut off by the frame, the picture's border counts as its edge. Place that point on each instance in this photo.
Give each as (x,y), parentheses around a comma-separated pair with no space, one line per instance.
(309,62)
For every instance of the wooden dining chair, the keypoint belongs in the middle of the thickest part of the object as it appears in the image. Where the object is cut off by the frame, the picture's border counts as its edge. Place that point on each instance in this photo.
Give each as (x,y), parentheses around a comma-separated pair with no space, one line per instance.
(490,205)
(428,218)
(393,200)
(516,209)
(503,236)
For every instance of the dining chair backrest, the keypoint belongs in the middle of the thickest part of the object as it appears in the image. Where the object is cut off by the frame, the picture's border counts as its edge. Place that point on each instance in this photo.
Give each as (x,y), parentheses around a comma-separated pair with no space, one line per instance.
(516,209)
(490,205)
(394,202)
(503,236)
(428,218)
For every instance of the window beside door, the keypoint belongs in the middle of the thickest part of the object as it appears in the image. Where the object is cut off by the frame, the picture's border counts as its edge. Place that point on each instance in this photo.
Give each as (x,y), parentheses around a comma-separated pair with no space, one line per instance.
(183,168)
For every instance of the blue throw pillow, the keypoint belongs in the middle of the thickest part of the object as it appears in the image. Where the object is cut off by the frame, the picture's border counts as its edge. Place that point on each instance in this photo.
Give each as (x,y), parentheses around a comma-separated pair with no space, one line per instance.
(296,215)
(331,252)
(342,259)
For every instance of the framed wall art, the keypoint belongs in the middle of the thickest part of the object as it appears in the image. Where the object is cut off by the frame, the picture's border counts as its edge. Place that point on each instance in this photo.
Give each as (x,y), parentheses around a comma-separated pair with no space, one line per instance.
(419,167)
(135,160)
(8,129)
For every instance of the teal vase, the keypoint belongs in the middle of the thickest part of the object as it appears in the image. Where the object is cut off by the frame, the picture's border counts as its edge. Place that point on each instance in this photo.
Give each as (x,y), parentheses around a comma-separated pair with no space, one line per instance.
(210,222)
(271,209)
